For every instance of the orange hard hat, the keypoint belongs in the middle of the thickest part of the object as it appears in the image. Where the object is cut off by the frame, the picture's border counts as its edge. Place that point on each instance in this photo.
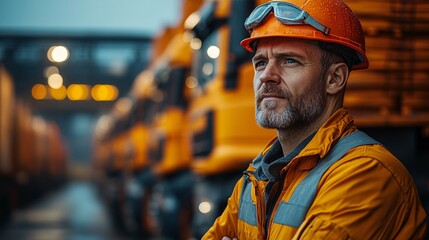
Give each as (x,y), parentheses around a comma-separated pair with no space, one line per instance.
(344,27)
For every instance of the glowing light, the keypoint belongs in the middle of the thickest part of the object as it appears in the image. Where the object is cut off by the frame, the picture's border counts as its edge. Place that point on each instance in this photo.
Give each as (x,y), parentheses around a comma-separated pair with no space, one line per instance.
(192,21)
(195,43)
(213,52)
(187,36)
(58,94)
(58,54)
(208,69)
(39,91)
(77,92)
(191,82)
(55,81)
(102,92)
(205,207)
(50,70)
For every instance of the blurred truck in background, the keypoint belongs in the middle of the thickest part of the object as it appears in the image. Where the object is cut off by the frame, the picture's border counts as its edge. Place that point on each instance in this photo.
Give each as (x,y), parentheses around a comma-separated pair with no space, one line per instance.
(224,133)
(33,154)
(169,148)
(190,130)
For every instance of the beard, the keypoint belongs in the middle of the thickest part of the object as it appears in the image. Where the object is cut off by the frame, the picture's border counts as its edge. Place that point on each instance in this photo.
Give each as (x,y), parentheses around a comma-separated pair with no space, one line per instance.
(299,111)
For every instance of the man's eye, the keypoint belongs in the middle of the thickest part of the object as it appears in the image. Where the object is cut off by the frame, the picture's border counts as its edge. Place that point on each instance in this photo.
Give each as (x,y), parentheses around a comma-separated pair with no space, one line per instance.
(259,64)
(290,60)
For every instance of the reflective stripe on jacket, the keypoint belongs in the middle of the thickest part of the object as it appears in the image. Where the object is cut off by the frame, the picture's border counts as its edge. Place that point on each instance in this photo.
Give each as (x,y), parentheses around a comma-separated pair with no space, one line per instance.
(366,194)
(292,213)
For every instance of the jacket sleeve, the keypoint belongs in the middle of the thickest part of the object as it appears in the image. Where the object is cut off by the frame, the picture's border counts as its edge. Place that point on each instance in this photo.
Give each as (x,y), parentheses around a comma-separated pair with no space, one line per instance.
(226,224)
(365,198)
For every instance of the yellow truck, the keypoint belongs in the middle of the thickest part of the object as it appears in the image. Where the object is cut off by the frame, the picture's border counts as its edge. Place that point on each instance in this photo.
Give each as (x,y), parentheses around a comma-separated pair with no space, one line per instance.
(111,155)
(138,171)
(225,136)
(169,148)
(170,151)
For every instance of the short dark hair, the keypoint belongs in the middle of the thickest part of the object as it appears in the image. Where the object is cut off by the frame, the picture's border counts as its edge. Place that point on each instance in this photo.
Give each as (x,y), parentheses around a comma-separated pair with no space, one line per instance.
(347,55)
(253,44)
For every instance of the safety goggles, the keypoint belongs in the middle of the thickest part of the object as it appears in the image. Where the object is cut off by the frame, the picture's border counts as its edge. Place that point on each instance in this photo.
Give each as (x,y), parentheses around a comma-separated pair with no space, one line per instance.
(286,13)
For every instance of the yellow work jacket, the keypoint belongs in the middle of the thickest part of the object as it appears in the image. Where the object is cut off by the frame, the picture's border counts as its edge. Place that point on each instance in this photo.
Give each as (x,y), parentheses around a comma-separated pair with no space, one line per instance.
(366,194)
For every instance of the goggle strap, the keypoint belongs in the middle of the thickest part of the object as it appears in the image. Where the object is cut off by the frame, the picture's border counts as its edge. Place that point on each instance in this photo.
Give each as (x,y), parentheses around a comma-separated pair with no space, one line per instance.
(316,24)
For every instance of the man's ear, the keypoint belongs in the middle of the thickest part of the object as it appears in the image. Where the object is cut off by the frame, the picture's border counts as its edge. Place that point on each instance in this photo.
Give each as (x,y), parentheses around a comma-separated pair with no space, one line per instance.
(336,78)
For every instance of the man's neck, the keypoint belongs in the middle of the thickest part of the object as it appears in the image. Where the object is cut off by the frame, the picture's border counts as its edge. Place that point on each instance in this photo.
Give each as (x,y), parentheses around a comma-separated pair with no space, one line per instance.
(290,138)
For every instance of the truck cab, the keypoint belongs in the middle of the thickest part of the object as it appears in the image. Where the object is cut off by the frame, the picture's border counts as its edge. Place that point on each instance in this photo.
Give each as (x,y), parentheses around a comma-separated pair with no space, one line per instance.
(224,133)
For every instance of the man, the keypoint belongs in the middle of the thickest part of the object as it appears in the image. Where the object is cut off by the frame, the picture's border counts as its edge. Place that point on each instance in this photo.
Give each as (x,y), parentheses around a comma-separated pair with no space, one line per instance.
(320,178)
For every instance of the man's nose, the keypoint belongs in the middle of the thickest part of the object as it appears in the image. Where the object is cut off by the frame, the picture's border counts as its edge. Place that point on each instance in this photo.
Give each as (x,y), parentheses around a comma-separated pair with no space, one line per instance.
(271,74)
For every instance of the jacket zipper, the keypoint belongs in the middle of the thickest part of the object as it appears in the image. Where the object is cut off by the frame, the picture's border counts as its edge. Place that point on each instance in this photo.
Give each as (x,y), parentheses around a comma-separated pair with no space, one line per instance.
(260,206)
(271,201)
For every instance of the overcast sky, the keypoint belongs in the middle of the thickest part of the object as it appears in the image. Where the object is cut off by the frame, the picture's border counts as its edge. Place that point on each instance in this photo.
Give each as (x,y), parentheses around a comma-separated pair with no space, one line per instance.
(136,17)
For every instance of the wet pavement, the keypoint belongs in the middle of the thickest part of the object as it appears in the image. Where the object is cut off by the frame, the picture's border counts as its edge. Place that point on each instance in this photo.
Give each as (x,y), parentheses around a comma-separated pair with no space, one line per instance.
(72,213)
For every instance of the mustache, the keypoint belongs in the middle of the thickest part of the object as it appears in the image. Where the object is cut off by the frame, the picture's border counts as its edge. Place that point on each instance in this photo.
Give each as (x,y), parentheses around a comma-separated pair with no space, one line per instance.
(271,90)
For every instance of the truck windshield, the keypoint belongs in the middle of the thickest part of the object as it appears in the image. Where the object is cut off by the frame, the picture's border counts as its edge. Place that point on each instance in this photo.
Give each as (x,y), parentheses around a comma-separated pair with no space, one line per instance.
(205,61)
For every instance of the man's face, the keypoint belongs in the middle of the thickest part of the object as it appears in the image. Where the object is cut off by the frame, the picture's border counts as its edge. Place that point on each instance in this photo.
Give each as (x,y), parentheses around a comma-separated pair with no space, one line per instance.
(288,83)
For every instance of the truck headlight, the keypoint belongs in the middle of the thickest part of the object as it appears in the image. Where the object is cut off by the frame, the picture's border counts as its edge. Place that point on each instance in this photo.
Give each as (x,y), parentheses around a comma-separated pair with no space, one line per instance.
(205,207)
